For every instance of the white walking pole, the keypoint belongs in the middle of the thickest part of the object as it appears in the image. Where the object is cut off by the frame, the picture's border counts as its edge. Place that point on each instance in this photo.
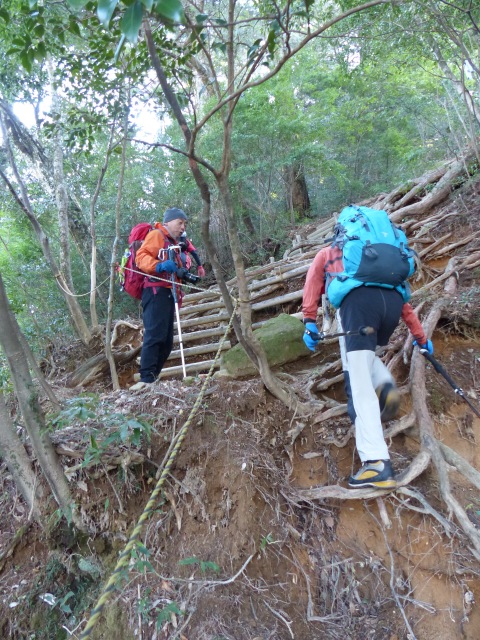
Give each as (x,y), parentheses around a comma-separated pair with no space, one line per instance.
(179,328)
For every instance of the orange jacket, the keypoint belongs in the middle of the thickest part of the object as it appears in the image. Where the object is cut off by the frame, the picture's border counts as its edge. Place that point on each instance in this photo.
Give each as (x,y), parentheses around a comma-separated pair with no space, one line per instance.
(150,254)
(329,260)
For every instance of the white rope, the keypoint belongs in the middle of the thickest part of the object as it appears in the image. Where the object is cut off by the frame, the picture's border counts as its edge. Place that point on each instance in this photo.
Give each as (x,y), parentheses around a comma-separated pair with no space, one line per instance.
(179,284)
(79,295)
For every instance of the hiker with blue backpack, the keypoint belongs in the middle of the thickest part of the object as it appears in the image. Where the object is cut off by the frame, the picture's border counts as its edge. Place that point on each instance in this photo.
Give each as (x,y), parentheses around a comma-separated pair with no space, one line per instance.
(159,258)
(364,275)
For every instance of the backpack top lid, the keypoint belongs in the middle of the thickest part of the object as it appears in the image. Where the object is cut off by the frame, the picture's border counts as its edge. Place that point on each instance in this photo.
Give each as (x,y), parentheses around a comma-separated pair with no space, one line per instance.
(365,224)
(139,232)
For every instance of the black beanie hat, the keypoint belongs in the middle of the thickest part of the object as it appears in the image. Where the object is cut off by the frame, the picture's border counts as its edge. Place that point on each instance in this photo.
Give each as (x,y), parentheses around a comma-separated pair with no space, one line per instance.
(174,214)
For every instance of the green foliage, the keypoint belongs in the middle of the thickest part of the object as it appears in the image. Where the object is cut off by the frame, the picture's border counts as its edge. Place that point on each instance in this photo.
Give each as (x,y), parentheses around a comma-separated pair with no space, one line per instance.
(165,614)
(121,429)
(204,565)
(358,112)
(57,598)
(127,431)
(139,558)
(78,410)
(266,540)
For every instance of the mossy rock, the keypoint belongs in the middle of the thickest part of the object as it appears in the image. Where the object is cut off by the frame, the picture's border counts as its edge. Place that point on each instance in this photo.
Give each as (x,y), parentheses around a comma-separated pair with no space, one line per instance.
(281,338)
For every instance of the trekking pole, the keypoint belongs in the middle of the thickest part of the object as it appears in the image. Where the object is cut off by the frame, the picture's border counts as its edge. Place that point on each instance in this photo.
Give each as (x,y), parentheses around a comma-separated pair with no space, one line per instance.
(438,367)
(177,313)
(361,331)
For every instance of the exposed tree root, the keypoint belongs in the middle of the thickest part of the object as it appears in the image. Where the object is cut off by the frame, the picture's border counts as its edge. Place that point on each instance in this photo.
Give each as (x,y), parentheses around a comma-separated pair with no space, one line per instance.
(98,366)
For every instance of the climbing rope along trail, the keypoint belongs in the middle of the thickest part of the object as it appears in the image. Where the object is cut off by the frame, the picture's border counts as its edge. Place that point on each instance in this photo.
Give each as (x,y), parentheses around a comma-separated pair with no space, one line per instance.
(124,557)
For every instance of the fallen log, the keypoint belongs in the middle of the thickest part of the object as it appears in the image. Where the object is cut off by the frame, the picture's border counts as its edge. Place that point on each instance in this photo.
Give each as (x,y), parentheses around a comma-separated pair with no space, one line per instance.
(99,366)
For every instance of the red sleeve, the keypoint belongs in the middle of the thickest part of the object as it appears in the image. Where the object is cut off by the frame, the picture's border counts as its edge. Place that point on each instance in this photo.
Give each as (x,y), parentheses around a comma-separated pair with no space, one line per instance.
(314,285)
(413,323)
(190,246)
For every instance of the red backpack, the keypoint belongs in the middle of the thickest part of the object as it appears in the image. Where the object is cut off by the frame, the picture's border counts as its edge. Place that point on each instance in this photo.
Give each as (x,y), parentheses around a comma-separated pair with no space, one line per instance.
(130,280)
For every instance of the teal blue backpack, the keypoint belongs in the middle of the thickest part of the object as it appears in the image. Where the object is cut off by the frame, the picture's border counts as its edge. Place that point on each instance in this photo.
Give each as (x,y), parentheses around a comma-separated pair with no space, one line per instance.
(375,253)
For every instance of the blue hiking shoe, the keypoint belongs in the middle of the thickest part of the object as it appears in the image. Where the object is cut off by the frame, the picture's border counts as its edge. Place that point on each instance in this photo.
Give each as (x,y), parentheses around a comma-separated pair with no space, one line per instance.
(389,401)
(378,474)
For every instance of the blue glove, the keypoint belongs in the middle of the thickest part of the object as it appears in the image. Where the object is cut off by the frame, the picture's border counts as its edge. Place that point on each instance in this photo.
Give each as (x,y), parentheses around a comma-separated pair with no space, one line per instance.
(311,336)
(428,345)
(169,266)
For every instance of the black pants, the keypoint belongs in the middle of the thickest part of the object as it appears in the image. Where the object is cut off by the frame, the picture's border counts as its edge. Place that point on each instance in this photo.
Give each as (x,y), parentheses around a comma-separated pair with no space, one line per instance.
(374,307)
(379,309)
(158,314)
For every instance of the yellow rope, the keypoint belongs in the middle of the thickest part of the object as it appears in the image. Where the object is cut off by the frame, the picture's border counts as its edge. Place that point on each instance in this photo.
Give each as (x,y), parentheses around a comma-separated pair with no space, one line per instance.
(124,557)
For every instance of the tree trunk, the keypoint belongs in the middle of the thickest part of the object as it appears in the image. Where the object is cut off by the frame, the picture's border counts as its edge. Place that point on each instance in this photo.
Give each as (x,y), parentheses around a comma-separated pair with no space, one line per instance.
(200,181)
(18,463)
(244,332)
(298,200)
(108,345)
(34,365)
(255,350)
(74,308)
(61,197)
(31,411)
(93,243)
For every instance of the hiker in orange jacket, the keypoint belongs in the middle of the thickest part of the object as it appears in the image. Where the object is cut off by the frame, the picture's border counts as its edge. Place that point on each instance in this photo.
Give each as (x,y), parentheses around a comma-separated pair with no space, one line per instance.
(158,301)
(371,391)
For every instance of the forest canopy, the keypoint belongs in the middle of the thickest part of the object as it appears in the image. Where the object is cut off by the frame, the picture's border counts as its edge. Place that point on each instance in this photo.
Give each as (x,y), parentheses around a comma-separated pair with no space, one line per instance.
(378,96)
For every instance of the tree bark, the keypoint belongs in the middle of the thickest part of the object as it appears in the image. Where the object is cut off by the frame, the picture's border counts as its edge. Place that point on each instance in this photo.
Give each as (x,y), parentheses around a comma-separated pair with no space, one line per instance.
(61,197)
(18,463)
(31,411)
(36,369)
(298,200)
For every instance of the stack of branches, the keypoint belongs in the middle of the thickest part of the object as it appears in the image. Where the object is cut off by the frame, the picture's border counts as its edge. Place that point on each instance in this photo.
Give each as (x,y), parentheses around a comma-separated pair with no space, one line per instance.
(278,285)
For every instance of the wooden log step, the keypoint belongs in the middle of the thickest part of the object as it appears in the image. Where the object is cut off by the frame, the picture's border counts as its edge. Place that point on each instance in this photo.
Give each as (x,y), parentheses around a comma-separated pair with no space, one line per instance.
(273,302)
(200,308)
(281,277)
(200,335)
(202,295)
(199,350)
(256,306)
(193,322)
(189,368)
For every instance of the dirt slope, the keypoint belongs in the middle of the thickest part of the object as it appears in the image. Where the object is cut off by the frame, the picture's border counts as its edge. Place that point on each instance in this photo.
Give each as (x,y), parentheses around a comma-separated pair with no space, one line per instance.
(232,552)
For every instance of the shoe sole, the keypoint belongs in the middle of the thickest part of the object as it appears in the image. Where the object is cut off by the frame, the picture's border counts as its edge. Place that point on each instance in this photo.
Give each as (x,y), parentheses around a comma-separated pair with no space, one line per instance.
(380,484)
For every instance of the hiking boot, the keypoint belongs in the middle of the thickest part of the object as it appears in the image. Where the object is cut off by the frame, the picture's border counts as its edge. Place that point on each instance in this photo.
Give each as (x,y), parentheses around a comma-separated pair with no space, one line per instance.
(389,401)
(138,386)
(378,474)
(136,377)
